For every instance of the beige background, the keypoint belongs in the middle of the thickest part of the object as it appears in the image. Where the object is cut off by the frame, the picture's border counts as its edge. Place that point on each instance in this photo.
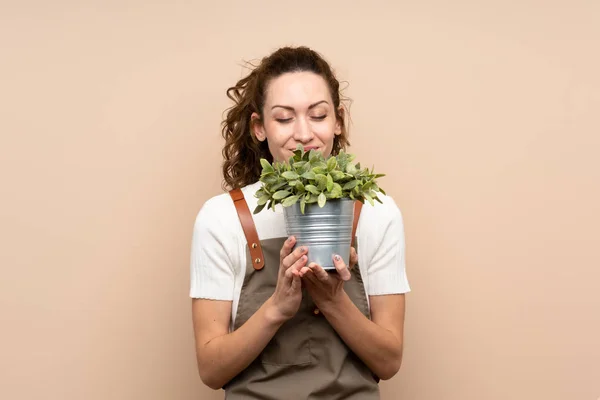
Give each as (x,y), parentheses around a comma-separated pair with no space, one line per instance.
(484,115)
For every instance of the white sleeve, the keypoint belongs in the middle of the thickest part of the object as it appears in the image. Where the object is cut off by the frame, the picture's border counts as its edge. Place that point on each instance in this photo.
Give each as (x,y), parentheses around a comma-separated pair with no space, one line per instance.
(387,266)
(211,270)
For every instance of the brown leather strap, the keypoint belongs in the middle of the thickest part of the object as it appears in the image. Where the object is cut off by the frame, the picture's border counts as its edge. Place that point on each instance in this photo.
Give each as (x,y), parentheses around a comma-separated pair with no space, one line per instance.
(357,207)
(245,216)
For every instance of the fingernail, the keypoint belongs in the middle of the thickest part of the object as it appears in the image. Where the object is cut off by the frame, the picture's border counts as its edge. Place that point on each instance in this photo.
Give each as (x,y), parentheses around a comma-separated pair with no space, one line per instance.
(336,257)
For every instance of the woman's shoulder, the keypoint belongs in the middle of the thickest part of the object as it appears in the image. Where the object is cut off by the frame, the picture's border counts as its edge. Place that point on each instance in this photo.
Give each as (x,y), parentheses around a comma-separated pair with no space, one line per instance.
(219,210)
(379,213)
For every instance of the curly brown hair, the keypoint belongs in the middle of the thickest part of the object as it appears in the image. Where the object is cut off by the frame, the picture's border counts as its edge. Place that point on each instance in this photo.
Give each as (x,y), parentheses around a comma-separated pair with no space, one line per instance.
(242,151)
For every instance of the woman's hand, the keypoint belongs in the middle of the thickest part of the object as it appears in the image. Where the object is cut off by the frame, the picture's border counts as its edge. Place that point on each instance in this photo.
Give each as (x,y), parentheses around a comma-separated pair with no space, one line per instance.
(288,293)
(326,287)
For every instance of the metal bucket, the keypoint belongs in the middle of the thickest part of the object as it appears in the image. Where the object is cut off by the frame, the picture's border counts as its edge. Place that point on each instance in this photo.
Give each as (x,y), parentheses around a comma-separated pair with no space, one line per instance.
(324,231)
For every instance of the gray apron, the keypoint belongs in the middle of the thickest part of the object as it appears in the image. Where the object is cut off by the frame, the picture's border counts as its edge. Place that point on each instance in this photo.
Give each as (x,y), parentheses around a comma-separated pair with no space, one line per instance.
(306,359)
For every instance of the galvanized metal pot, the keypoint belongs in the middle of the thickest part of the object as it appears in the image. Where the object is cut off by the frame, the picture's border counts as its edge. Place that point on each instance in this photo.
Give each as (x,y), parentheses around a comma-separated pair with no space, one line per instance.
(324,231)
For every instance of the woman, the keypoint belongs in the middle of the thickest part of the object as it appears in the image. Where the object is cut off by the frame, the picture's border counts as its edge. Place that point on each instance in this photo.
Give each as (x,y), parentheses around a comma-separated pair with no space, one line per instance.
(277,328)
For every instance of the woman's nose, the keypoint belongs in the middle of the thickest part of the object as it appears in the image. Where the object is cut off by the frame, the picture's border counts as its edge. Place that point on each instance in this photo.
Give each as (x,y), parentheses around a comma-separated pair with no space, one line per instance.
(302,130)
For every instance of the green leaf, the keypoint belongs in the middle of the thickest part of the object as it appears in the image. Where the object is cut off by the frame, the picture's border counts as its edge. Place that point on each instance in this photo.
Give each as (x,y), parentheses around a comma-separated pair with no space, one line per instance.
(322,200)
(290,201)
(299,164)
(312,189)
(282,194)
(369,198)
(258,209)
(269,180)
(290,175)
(382,192)
(329,183)
(378,176)
(312,199)
(299,187)
(351,185)
(336,192)
(278,185)
(337,175)
(351,169)
(309,175)
(320,170)
(263,199)
(302,204)
(321,181)
(266,165)
(331,163)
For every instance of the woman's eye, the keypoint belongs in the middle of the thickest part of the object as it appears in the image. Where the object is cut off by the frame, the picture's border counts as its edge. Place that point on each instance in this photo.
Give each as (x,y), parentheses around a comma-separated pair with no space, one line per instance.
(320,117)
(283,120)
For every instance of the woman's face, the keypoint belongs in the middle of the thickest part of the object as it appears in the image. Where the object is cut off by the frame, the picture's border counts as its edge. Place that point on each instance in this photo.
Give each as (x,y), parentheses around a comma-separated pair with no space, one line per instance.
(298,110)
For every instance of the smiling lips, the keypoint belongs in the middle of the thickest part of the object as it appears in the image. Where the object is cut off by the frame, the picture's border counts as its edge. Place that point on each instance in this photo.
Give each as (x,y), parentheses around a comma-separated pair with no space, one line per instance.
(308,148)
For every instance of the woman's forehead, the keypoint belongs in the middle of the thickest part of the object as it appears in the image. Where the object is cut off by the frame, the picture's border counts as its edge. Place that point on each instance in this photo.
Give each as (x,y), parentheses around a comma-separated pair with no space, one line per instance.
(297,89)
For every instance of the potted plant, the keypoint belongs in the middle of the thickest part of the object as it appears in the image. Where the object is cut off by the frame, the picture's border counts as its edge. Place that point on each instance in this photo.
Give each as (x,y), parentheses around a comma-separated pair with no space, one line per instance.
(318,195)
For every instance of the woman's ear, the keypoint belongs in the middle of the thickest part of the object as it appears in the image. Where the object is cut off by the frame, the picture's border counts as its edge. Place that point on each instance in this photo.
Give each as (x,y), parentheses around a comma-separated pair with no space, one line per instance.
(257,127)
(339,121)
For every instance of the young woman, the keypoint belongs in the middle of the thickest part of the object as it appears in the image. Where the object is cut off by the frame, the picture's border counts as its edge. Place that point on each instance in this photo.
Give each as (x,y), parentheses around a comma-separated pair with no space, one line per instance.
(267,325)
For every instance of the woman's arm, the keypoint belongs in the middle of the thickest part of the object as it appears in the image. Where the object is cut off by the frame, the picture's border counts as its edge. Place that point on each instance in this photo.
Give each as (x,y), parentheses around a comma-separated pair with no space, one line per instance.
(222,355)
(377,342)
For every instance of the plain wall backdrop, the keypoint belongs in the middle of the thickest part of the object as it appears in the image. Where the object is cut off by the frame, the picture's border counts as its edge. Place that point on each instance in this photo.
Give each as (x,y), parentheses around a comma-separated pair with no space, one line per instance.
(483,114)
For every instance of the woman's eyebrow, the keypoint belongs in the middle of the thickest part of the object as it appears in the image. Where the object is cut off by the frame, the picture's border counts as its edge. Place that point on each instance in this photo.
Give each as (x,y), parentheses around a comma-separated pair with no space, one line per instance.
(292,108)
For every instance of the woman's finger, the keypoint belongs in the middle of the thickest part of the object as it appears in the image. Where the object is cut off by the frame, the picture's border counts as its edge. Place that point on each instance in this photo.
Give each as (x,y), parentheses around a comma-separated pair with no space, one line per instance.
(287,247)
(296,283)
(304,270)
(319,272)
(341,268)
(294,256)
(294,270)
(310,277)
(353,257)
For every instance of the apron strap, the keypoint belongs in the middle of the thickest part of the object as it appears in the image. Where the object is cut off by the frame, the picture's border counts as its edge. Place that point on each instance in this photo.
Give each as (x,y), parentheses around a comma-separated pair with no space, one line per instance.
(357,207)
(258,260)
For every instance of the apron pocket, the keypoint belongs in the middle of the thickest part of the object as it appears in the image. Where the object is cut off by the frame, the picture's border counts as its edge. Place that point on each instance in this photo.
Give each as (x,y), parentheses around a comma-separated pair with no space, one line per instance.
(291,343)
